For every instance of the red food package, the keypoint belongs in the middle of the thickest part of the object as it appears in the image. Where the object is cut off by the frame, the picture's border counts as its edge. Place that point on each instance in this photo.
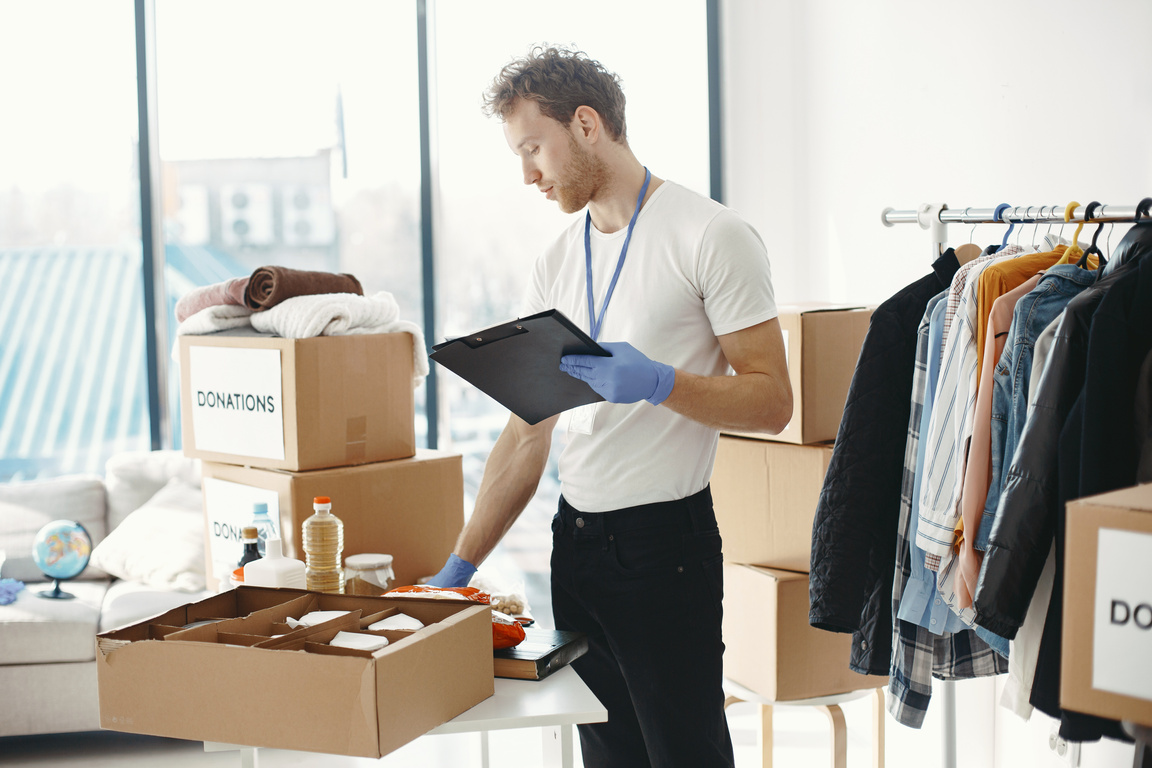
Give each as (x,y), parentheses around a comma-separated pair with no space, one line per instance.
(506,631)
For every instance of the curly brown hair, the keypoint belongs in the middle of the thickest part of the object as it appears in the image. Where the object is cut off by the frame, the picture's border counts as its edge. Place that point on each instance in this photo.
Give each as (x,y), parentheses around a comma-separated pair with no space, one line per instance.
(559,80)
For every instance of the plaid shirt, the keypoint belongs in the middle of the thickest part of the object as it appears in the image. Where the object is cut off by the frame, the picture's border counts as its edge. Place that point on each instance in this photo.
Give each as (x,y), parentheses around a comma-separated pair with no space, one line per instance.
(917,652)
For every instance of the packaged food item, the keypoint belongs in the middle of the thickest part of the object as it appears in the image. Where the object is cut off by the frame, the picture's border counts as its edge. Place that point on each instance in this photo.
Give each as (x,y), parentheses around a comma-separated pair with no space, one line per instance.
(506,631)
(374,569)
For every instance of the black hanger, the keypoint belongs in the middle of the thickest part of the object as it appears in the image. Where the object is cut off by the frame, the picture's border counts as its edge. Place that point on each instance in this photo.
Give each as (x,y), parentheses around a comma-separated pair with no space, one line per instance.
(1083,263)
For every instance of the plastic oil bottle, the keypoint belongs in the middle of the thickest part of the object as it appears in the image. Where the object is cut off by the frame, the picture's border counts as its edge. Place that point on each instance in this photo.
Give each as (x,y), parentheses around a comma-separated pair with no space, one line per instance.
(324,548)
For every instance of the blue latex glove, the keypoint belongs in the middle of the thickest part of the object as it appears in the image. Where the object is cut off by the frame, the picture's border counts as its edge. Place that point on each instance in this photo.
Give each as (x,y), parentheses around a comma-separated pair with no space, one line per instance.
(457,572)
(625,377)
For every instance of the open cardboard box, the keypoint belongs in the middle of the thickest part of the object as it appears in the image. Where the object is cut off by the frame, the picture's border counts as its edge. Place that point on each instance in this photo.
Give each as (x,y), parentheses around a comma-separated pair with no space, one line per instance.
(229,680)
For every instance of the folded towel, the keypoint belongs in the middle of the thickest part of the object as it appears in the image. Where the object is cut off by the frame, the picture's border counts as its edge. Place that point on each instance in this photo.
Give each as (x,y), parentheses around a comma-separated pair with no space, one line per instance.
(337,314)
(268,286)
(220,317)
(227,292)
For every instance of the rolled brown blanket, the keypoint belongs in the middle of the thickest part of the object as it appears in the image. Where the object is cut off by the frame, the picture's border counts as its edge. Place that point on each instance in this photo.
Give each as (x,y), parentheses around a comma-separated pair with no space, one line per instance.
(269,286)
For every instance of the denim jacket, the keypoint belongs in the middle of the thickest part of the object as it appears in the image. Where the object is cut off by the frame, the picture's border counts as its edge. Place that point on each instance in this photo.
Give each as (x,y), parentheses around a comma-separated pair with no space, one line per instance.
(1032,315)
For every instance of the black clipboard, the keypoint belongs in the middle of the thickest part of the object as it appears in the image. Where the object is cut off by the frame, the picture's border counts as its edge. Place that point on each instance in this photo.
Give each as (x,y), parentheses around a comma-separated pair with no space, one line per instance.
(517,364)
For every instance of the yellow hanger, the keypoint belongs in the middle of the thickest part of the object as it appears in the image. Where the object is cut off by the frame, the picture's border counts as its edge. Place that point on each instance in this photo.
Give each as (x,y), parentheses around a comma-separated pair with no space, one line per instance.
(1073,251)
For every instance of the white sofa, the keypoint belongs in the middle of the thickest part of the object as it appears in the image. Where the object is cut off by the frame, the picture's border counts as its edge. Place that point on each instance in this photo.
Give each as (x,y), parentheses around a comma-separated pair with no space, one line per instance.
(146,523)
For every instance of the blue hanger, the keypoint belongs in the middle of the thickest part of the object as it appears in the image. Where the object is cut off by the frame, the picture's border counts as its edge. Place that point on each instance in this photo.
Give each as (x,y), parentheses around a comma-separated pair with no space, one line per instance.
(996,216)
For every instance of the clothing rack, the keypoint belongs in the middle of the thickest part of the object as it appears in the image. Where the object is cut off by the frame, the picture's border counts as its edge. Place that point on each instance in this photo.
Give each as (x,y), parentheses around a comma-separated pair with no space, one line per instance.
(936,217)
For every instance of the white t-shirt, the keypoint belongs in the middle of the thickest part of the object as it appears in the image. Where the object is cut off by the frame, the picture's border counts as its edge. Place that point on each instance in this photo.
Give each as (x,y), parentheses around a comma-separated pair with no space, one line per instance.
(694,271)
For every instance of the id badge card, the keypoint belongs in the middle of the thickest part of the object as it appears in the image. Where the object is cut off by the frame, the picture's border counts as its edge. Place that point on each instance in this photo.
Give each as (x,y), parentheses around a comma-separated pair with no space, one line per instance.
(582,418)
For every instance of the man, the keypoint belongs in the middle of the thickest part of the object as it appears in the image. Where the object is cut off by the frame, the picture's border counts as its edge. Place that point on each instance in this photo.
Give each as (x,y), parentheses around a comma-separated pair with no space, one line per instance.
(675,278)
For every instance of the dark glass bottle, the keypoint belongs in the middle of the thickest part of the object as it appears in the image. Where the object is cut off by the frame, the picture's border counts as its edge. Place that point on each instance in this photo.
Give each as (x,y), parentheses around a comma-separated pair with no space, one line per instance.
(251,539)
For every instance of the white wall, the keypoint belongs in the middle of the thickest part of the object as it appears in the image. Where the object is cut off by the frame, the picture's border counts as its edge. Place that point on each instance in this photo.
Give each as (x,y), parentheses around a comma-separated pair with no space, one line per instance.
(834,110)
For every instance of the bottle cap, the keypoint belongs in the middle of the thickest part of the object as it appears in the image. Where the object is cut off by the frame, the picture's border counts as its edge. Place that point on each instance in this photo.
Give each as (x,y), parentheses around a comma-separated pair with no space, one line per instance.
(259,508)
(272,548)
(250,532)
(321,503)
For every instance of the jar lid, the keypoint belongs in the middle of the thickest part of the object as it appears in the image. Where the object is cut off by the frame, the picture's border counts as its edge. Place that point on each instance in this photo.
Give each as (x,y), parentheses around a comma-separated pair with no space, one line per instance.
(368,561)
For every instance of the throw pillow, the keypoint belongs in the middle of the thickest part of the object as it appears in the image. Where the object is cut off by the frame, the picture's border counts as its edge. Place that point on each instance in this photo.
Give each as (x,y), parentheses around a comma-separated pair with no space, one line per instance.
(161,544)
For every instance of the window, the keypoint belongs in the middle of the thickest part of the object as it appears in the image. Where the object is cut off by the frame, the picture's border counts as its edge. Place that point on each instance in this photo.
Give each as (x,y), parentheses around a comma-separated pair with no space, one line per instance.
(73,389)
(288,137)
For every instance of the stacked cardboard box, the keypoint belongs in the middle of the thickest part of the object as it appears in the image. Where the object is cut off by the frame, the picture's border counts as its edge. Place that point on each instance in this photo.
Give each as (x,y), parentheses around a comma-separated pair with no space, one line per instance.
(282,421)
(765,489)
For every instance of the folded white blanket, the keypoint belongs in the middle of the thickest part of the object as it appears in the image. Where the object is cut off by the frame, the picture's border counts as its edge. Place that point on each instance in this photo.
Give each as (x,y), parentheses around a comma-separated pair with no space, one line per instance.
(337,314)
(325,314)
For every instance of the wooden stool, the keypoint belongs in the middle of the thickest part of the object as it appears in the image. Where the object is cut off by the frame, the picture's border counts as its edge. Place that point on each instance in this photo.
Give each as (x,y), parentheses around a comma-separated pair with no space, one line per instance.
(829,705)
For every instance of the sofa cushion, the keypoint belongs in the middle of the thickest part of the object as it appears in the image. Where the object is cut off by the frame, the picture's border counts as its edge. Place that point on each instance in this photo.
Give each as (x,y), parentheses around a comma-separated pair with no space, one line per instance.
(133,477)
(161,544)
(128,602)
(26,506)
(36,630)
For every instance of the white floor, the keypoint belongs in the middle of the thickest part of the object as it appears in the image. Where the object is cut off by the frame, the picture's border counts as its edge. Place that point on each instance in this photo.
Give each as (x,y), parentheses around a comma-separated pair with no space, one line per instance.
(801,739)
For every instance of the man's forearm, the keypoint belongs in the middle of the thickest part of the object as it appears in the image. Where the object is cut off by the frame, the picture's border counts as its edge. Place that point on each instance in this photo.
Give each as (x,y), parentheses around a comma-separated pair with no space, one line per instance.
(511,476)
(755,402)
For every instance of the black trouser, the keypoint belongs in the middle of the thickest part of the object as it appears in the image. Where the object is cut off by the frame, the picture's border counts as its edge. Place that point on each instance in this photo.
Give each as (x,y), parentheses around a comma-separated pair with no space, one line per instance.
(645,584)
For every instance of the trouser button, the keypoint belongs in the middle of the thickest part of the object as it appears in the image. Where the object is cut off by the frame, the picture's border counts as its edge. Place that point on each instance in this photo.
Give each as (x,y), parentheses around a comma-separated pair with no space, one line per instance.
(579,522)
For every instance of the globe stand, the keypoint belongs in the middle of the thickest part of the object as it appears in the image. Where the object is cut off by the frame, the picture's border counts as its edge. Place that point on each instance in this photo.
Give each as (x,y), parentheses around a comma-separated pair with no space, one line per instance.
(57,593)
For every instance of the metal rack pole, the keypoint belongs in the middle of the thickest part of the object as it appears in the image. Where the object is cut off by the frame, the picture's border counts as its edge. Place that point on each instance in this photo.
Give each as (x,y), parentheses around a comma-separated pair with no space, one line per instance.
(1020,213)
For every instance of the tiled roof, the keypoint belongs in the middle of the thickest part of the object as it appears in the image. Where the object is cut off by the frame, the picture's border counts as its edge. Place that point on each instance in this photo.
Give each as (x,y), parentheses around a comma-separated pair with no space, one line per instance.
(73,384)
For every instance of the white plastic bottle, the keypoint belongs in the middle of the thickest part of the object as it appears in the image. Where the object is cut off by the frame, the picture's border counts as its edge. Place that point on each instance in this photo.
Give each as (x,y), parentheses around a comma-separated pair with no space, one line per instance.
(274,570)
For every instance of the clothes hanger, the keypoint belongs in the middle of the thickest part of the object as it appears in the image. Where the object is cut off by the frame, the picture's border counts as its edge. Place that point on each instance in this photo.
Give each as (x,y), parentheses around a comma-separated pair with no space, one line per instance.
(1083,262)
(1027,218)
(1073,250)
(1036,229)
(969,250)
(997,216)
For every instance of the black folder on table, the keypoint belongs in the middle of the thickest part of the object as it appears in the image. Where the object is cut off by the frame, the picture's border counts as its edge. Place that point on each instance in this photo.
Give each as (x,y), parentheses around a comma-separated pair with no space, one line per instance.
(518,364)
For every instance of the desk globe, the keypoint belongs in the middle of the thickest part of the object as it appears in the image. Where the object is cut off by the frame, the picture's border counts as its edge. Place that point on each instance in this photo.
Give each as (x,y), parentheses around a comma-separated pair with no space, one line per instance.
(61,550)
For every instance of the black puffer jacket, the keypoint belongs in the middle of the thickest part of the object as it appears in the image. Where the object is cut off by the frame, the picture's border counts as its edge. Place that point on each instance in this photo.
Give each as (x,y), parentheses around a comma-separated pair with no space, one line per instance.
(854,533)
(1026,515)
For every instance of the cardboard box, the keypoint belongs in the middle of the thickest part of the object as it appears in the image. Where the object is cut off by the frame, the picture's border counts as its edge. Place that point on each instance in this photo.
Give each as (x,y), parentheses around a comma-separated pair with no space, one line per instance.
(822,343)
(769,646)
(412,509)
(1105,666)
(228,681)
(299,404)
(765,497)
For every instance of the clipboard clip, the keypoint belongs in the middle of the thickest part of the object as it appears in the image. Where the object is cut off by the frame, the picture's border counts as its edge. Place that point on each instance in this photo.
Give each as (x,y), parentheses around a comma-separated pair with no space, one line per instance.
(499,333)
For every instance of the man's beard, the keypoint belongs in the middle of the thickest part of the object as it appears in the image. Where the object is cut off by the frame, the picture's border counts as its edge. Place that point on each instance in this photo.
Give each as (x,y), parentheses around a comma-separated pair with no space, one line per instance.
(584,174)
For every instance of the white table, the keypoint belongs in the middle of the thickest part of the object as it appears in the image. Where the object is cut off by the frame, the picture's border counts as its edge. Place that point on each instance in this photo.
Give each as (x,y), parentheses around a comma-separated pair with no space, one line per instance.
(555,704)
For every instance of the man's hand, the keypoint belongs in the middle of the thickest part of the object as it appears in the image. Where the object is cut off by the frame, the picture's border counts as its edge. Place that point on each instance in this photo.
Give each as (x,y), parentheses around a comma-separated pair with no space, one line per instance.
(457,572)
(625,377)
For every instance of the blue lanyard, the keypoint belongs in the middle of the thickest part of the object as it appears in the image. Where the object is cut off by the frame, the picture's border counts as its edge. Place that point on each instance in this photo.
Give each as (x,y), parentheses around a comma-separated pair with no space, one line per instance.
(593,320)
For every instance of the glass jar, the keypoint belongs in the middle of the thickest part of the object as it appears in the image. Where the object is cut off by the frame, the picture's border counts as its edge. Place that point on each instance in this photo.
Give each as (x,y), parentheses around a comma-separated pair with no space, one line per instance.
(374,569)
